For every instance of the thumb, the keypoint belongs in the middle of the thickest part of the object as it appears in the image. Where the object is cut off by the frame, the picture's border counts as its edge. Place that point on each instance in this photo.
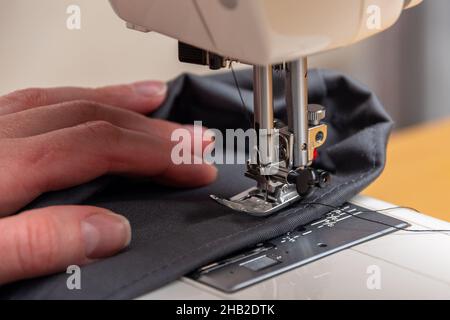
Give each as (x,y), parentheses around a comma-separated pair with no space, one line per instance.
(45,241)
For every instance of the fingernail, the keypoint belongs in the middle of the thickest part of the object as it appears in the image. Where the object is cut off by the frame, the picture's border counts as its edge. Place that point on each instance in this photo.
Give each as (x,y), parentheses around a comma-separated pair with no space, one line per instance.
(211,176)
(214,170)
(105,234)
(150,88)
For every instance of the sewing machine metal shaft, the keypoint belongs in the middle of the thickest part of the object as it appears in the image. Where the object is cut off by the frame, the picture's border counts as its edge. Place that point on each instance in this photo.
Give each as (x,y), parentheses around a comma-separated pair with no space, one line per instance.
(297,106)
(263,96)
(263,112)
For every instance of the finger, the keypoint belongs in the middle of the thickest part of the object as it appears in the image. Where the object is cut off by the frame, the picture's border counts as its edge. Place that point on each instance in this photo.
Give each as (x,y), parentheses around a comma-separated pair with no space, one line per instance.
(46,241)
(45,119)
(72,156)
(142,97)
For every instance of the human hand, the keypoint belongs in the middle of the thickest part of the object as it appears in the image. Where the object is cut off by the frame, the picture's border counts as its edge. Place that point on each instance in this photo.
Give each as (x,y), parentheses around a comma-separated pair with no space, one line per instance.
(52,139)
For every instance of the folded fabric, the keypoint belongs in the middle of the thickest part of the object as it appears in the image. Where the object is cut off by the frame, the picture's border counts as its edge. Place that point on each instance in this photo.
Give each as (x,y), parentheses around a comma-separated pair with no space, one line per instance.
(176,231)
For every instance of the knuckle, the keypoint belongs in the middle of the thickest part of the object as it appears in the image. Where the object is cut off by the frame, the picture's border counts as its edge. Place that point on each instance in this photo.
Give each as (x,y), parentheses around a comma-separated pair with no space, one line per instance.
(107,137)
(37,245)
(38,155)
(86,109)
(30,96)
(36,159)
(103,130)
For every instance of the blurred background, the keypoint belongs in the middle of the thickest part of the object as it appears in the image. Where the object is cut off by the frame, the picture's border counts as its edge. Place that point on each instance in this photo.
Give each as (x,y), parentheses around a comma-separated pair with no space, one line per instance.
(407,66)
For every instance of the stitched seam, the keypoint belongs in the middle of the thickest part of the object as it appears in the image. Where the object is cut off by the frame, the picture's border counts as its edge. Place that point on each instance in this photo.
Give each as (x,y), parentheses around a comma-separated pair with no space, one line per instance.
(176,260)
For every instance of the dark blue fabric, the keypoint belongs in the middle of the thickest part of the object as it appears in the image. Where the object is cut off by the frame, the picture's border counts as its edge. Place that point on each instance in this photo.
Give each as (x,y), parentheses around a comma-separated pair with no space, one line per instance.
(177,231)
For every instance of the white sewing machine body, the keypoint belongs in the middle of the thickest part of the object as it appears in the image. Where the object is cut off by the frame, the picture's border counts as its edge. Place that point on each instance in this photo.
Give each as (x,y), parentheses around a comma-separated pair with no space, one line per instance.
(263,32)
(400,265)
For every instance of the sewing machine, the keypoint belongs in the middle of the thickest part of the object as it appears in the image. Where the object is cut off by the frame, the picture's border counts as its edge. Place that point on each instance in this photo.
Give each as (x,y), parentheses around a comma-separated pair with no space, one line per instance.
(274,35)
(270,35)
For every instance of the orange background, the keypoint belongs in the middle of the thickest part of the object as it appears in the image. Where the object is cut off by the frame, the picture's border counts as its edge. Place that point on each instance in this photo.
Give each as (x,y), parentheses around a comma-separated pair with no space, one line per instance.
(418,170)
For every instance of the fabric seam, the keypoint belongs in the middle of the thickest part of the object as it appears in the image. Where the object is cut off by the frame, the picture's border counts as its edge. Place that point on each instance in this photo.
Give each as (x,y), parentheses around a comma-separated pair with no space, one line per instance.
(176,260)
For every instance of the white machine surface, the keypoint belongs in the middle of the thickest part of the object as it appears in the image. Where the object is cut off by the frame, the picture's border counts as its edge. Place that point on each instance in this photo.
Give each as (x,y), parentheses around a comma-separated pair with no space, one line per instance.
(401,265)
